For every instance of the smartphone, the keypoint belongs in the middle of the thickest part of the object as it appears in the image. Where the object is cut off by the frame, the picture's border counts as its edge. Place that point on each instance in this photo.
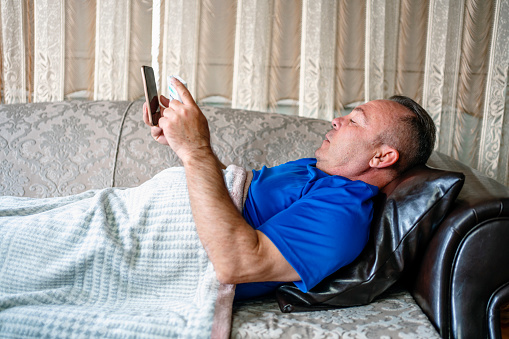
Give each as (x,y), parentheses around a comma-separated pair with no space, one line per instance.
(151,97)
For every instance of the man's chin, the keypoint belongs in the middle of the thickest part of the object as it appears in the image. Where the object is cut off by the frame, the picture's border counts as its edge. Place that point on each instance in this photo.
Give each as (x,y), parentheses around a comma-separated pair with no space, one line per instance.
(319,151)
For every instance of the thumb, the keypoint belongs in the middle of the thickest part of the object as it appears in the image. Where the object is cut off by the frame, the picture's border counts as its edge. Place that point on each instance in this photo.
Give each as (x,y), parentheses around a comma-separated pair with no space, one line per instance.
(164,101)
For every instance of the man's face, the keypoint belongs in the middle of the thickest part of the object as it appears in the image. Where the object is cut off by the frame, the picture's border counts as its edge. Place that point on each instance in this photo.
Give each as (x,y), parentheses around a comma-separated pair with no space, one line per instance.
(351,143)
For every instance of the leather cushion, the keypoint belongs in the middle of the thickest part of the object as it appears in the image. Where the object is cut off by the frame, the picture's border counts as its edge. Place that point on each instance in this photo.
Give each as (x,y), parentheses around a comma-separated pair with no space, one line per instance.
(407,211)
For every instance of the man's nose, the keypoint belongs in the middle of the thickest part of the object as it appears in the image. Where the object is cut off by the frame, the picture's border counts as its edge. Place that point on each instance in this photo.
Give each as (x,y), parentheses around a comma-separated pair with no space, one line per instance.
(336,123)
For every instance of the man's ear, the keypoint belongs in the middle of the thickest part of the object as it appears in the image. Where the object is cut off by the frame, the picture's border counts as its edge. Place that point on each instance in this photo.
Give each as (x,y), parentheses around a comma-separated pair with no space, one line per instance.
(385,156)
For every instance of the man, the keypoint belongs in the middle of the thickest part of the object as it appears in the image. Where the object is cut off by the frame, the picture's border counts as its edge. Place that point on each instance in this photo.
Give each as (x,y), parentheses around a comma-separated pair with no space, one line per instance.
(364,150)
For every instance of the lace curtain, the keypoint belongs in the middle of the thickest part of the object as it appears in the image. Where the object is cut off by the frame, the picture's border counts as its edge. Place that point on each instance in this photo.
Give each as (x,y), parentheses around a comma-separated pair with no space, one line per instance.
(315,58)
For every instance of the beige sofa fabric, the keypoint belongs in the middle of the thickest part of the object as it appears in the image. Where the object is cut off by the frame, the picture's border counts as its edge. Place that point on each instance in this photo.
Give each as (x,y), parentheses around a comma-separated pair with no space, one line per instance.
(57,149)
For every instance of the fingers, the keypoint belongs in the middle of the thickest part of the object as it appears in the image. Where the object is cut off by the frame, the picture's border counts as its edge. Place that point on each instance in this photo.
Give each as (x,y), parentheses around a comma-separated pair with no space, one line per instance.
(164,101)
(158,135)
(185,95)
(145,114)
(182,125)
(156,132)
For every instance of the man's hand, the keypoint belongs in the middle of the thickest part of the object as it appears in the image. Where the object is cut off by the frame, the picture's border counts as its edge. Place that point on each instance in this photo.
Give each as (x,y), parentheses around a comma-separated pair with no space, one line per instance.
(156,131)
(182,126)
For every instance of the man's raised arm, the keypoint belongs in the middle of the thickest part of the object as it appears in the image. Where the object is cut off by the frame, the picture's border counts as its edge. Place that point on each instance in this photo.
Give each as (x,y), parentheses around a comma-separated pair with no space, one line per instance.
(239,253)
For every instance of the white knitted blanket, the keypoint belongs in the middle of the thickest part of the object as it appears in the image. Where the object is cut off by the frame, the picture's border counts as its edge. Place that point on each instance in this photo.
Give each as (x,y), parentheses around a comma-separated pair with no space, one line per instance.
(111,263)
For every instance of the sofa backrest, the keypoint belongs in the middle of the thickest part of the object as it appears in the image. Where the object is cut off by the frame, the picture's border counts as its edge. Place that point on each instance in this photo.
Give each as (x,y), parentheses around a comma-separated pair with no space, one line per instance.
(58,148)
(63,148)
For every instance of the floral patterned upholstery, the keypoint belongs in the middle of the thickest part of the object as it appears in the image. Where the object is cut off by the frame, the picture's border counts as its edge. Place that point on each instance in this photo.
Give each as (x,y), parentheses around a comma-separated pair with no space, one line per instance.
(393,315)
(55,149)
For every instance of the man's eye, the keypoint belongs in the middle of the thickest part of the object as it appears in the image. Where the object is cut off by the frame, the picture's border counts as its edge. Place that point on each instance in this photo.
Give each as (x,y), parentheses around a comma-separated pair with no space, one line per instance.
(353,122)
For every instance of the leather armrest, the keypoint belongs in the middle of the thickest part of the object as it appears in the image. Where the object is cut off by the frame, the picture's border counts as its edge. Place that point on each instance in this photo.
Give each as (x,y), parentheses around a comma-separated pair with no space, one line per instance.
(467,259)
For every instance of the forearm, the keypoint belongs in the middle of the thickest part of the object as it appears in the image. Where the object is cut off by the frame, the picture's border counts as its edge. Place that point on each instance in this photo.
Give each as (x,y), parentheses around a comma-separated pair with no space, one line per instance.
(228,239)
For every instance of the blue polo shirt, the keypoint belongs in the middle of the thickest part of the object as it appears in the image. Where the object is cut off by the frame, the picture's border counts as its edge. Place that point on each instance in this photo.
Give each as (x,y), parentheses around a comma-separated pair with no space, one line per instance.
(319,222)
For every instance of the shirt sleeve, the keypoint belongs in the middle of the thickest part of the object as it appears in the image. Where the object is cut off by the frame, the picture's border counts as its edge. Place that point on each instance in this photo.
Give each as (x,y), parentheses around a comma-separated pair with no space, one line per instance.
(321,232)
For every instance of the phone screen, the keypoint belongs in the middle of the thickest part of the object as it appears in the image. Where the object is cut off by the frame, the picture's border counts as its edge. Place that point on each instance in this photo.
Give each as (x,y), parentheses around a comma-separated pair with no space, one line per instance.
(151,97)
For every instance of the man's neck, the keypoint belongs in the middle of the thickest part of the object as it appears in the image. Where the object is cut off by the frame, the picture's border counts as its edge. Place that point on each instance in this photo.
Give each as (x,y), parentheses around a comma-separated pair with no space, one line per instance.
(375,177)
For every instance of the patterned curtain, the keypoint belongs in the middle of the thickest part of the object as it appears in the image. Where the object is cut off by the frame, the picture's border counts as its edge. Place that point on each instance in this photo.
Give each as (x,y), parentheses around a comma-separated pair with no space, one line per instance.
(315,58)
